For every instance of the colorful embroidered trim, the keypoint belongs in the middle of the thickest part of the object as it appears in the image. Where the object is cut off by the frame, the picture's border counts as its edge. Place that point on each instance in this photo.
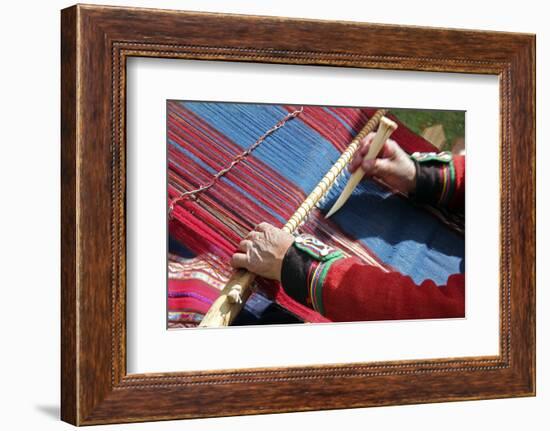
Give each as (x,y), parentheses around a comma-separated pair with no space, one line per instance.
(318,250)
(449,183)
(443,157)
(316,279)
(442,167)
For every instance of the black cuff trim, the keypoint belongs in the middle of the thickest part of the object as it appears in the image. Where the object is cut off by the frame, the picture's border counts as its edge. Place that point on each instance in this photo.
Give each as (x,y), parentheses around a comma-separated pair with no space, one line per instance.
(428,183)
(294,272)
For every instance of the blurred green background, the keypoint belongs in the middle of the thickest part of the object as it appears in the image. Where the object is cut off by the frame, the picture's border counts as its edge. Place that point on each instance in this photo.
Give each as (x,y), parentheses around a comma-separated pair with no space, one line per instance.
(418,120)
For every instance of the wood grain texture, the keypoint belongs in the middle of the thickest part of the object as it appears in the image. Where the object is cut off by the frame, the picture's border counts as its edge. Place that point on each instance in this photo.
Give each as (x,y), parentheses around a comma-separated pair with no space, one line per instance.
(96,41)
(69,397)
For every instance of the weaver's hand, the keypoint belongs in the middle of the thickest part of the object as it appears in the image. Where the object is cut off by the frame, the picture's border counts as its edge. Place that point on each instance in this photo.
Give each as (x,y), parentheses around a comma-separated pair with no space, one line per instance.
(262,251)
(393,166)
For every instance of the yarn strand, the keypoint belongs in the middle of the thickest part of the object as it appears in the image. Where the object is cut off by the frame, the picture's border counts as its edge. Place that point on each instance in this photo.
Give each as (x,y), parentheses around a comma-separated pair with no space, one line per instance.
(191,194)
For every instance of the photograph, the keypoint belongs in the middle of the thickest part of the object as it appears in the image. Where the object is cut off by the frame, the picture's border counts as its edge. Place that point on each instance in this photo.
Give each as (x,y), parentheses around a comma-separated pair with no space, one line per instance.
(269,213)
(290,214)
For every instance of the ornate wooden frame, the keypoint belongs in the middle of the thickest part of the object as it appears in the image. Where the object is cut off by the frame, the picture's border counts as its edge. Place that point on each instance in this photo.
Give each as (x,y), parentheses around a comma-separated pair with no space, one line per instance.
(96,41)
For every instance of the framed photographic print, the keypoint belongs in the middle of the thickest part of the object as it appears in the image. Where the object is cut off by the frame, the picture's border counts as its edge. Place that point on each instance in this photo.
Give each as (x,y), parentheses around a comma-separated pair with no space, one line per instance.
(260,205)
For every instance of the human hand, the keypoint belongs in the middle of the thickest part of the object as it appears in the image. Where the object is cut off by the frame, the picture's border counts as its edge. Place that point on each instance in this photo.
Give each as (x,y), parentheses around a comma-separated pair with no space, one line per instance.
(392,166)
(262,251)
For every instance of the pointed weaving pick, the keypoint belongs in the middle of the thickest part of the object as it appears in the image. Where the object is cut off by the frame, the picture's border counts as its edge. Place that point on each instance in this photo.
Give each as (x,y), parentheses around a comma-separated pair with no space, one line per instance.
(233,296)
(385,129)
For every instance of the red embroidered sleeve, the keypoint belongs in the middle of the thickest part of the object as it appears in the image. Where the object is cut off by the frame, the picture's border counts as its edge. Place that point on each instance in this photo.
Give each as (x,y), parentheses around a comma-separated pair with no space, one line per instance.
(353,291)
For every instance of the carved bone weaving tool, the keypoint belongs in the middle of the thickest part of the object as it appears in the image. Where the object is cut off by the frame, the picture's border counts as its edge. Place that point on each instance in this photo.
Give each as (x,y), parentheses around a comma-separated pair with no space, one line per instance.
(385,129)
(233,296)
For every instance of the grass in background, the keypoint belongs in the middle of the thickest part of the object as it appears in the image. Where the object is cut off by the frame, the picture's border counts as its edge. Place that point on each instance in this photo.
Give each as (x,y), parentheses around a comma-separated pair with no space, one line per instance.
(417,120)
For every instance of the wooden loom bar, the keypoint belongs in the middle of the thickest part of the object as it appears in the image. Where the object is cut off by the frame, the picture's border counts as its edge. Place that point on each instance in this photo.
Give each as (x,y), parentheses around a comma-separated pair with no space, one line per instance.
(237,290)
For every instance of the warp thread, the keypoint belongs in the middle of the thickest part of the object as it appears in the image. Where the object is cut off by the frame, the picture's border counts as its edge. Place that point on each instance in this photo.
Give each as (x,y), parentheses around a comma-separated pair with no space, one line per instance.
(273,182)
(193,193)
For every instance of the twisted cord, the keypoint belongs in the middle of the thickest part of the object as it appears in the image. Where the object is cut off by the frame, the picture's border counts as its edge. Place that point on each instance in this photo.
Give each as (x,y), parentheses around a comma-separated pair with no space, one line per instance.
(191,194)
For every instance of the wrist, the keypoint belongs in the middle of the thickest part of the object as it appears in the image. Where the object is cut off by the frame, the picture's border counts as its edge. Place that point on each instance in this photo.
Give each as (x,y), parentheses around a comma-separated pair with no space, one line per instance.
(304,255)
(294,268)
(411,177)
(286,246)
(434,177)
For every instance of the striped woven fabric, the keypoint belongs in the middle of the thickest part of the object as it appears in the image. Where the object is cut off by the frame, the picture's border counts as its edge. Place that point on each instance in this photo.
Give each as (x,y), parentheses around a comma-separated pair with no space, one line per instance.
(376,225)
(194,286)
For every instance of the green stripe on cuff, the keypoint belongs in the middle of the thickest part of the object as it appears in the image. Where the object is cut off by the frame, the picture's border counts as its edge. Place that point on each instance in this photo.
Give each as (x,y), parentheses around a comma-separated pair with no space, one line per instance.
(450,184)
(318,287)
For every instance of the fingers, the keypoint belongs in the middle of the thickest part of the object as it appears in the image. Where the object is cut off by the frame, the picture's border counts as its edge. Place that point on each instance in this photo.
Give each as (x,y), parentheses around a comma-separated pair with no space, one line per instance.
(253,235)
(369,167)
(245,245)
(263,227)
(239,260)
(376,167)
(357,159)
(365,144)
(355,162)
(387,151)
